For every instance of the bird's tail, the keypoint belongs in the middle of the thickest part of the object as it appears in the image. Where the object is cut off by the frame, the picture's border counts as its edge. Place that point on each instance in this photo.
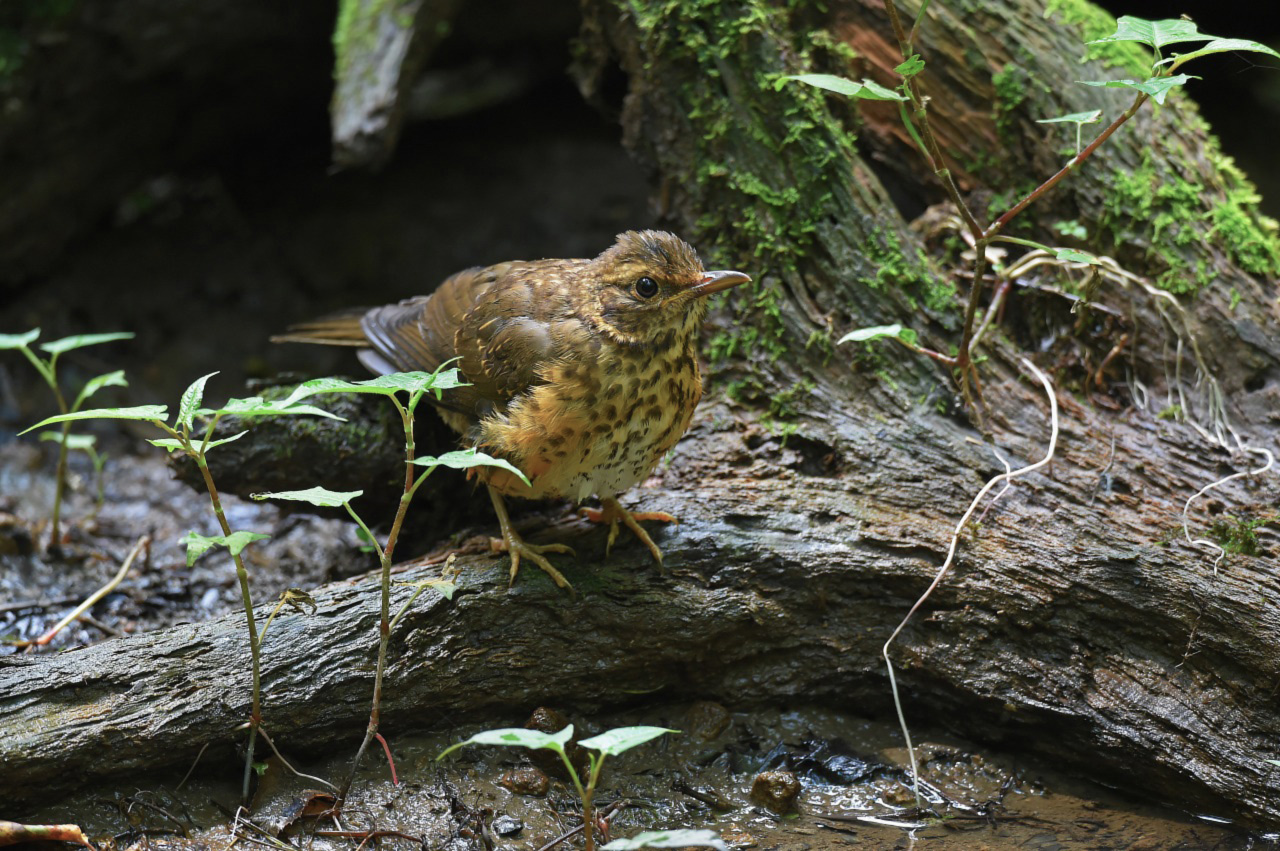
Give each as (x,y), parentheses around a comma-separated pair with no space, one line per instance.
(336,329)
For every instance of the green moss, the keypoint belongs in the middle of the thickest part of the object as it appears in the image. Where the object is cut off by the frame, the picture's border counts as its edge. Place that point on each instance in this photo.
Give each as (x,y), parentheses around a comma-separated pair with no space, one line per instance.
(784,406)
(1179,218)
(769,162)
(1093,23)
(1240,535)
(1010,84)
(356,30)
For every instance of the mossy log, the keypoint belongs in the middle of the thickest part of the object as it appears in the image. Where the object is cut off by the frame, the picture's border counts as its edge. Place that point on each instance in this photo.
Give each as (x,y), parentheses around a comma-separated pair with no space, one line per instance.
(1078,624)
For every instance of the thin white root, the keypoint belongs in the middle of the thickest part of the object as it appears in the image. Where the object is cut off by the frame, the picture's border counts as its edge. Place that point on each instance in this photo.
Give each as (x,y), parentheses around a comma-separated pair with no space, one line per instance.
(1007,476)
(1205,543)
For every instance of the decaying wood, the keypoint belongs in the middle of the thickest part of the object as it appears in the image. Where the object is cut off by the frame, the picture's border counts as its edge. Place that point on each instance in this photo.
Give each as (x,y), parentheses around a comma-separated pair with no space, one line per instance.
(1078,624)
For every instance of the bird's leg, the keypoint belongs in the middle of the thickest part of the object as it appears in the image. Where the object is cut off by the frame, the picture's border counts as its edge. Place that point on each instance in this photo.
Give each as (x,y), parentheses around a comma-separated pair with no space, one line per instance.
(516,546)
(612,511)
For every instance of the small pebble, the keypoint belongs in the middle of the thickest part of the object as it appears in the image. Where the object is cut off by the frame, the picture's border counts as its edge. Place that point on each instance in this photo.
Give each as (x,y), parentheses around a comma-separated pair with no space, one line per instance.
(505,825)
(526,781)
(706,720)
(776,791)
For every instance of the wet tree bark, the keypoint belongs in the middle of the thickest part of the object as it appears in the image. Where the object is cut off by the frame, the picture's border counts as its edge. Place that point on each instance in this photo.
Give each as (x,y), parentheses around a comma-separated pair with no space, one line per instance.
(819,495)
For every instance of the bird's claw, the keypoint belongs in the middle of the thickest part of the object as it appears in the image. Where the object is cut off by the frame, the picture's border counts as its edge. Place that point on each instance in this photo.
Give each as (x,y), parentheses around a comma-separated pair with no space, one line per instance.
(517,548)
(612,512)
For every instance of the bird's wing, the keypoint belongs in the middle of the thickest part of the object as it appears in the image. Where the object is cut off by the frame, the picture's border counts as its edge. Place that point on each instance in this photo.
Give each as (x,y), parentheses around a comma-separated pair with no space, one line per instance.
(498,320)
(521,322)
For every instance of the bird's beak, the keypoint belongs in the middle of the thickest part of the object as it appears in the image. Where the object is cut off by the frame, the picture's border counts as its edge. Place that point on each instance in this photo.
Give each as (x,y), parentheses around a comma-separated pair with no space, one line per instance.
(714,282)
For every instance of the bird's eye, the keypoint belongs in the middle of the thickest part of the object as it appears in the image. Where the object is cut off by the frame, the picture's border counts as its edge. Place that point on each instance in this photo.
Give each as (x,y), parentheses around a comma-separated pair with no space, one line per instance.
(646,287)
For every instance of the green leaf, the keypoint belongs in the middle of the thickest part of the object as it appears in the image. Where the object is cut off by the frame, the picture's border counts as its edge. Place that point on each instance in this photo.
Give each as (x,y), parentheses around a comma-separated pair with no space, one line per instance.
(1154,33)
(911,67)
(255,406)
(173,445)
(191,399)
(79,341)
(1219,45)
(465,458)
(516,737)
(668,839)
(383,385)
(1157,87)
(316,496)
(1072,256)
(614,742)
(1071,228)
(875,332)
(18,341)
(93,385)
(1273,761)
(74,441)
(1074,118)
(197,544)
(867,90)
(143,412)
(445,587)
(223,440)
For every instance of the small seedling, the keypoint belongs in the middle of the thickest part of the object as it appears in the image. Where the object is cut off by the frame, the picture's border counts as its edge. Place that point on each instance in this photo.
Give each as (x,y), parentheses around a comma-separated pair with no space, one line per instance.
(609,743)
(88,444)
(416,385)
(48,370)
(182,437)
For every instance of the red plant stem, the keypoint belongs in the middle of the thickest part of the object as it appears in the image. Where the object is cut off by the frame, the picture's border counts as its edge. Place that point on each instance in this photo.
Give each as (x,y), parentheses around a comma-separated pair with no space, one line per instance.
(391,762)
(1066,169)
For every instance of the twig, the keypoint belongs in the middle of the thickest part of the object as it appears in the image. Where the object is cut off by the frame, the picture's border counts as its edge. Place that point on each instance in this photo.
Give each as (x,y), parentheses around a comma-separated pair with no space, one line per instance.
(262,731)
(946,565)
(93,598)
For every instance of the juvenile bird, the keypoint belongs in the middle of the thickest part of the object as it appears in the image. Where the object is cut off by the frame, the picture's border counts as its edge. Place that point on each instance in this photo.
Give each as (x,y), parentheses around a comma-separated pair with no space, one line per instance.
(583,373)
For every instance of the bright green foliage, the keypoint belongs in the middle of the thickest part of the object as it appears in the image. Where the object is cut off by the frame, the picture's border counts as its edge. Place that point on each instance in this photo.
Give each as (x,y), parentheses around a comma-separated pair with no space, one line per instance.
(18,341)
(145,413)
(463,459)
(1219,45)
(622,739)
(1072,256)
(874,332)
(1094,24)
(79,341)
(318,496)
(197,544)
(516,737)
(190,403)
(1153,33)
(383,385)
(867,90)
(910,67)
(1157,87)
(671,839)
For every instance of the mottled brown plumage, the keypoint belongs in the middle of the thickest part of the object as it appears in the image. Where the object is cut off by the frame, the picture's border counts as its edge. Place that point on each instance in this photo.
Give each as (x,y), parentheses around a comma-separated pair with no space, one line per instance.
(583,373)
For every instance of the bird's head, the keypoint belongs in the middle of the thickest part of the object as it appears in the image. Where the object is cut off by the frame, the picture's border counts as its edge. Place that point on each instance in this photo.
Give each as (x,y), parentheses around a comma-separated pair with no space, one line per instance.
(649,289)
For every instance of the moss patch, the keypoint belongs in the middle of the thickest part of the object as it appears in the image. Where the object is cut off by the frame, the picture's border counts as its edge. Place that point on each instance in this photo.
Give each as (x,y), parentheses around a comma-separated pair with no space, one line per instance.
(1094,23)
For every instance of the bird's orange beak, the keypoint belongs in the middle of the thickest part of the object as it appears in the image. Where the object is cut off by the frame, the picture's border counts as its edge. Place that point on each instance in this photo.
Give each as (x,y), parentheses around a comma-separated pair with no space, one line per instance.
(714,282)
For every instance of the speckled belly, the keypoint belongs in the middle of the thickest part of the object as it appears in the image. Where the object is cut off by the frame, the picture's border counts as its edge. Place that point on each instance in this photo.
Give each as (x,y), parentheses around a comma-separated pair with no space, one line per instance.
(574,440)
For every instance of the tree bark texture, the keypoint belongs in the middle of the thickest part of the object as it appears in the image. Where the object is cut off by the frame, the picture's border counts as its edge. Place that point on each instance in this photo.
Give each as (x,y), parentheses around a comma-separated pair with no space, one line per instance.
(818,498)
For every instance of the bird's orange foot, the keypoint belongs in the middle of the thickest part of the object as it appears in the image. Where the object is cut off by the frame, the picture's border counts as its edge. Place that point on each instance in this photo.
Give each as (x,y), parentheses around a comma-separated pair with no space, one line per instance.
(612,511)
(512,543)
